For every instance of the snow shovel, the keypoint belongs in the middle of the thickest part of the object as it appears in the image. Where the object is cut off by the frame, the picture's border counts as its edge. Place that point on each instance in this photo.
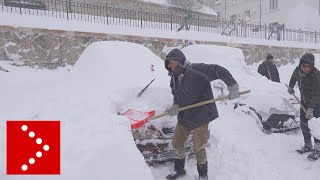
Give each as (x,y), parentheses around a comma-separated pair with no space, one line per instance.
(303,108)
(138,118)
(313,124)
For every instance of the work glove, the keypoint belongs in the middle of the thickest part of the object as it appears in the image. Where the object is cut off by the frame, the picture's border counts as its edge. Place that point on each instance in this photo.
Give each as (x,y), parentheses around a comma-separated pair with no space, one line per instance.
(233,91)
(290,90)
(172,111)
(309,114)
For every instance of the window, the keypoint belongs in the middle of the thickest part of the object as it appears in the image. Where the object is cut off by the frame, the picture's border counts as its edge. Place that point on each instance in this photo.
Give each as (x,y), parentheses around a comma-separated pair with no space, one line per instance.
(273,5)
(247,14)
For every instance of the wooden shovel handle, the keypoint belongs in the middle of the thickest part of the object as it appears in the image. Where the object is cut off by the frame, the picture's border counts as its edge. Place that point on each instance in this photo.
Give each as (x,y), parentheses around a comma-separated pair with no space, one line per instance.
(297,99)
(197,105)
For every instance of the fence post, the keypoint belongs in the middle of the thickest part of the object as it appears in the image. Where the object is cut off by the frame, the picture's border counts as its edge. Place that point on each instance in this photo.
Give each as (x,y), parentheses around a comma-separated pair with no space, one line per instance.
(315,36)
(198,23)
(67,6)
(245,29)
(141,18)
(171,20)
(265,31)
(300,35)
(107,14)
(283,32)
(20,4)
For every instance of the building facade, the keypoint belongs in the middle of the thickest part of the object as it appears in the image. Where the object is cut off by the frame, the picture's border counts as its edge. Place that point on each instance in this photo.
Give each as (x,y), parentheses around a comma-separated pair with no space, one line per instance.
(295,14)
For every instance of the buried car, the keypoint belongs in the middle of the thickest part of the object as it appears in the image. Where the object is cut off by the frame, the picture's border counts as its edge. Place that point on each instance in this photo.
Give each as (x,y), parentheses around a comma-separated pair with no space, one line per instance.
(154,139)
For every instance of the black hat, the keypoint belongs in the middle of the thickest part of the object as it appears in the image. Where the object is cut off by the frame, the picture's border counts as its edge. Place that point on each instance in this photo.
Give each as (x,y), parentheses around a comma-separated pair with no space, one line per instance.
(269,56)
(307,58)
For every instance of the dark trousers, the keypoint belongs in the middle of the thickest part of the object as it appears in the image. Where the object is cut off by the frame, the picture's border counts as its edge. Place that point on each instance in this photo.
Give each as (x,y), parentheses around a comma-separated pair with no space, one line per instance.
(305,128)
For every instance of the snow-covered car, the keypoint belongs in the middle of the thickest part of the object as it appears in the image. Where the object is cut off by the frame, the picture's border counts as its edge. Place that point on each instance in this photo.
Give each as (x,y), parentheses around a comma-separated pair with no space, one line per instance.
(273,110)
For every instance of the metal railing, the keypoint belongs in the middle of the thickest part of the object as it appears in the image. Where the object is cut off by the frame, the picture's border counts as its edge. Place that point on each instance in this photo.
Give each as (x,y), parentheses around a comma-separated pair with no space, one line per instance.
(104,14)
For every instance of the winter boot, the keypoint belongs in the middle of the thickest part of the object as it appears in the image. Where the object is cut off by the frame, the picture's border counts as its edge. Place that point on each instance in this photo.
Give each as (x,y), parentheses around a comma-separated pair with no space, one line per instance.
(304,149)
(203,171)
(178,168)
(315,153)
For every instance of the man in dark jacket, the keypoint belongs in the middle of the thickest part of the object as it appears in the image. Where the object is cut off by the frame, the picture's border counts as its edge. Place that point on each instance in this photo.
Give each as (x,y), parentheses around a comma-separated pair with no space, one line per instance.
(268,69)
(190,84)
(308,78)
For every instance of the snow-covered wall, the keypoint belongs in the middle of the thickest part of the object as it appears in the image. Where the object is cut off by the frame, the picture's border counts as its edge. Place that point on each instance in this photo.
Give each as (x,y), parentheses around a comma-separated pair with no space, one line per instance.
(56,48)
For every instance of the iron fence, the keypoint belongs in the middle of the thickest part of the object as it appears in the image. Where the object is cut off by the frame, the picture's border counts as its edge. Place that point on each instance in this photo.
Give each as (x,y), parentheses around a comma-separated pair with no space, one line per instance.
(104,14)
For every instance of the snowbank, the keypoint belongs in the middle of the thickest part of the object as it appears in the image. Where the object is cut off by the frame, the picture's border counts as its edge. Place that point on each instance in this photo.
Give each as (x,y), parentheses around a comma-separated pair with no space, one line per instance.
(247,77)
(96,142)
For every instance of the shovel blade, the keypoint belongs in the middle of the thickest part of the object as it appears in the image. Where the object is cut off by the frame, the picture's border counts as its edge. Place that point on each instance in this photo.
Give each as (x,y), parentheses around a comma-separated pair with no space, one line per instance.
(138,118)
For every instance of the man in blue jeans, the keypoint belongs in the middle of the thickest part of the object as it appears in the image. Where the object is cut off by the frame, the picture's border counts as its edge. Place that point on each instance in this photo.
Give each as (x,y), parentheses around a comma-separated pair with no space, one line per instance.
(308,78)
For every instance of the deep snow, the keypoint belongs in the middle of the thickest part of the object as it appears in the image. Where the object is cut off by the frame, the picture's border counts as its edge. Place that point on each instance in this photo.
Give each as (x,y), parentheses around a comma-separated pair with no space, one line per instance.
(97,143)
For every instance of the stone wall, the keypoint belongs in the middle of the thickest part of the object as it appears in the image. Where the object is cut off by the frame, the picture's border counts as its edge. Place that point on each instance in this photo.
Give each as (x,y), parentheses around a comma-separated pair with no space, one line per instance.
(54,48)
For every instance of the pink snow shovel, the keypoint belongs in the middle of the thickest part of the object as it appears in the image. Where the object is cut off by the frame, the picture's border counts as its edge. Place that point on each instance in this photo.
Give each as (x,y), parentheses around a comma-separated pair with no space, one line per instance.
(138,118)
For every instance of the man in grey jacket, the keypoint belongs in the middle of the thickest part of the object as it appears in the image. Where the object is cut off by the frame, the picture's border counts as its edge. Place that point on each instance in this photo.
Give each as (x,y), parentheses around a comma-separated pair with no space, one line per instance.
(190,84)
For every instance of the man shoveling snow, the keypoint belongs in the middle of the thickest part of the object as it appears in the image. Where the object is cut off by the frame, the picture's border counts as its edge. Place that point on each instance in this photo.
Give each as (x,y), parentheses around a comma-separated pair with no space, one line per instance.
(190,84)
(308,78)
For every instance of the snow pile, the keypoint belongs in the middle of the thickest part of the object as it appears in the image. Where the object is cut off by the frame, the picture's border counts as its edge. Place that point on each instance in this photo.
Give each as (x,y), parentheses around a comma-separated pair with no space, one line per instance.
(247,77)
(119,65)
(314,125)
(96,143)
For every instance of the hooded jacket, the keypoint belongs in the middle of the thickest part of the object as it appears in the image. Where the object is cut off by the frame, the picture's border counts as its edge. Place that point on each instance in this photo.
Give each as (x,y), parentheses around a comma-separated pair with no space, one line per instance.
(309,84)
(192,85)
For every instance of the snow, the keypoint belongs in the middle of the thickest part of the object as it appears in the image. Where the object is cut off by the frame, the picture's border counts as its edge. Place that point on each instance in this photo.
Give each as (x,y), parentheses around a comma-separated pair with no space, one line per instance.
(202,8)
(207,10)
(239,149)
(163,2)
(97,143)
(314,125)
(86,99)
(16,20)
